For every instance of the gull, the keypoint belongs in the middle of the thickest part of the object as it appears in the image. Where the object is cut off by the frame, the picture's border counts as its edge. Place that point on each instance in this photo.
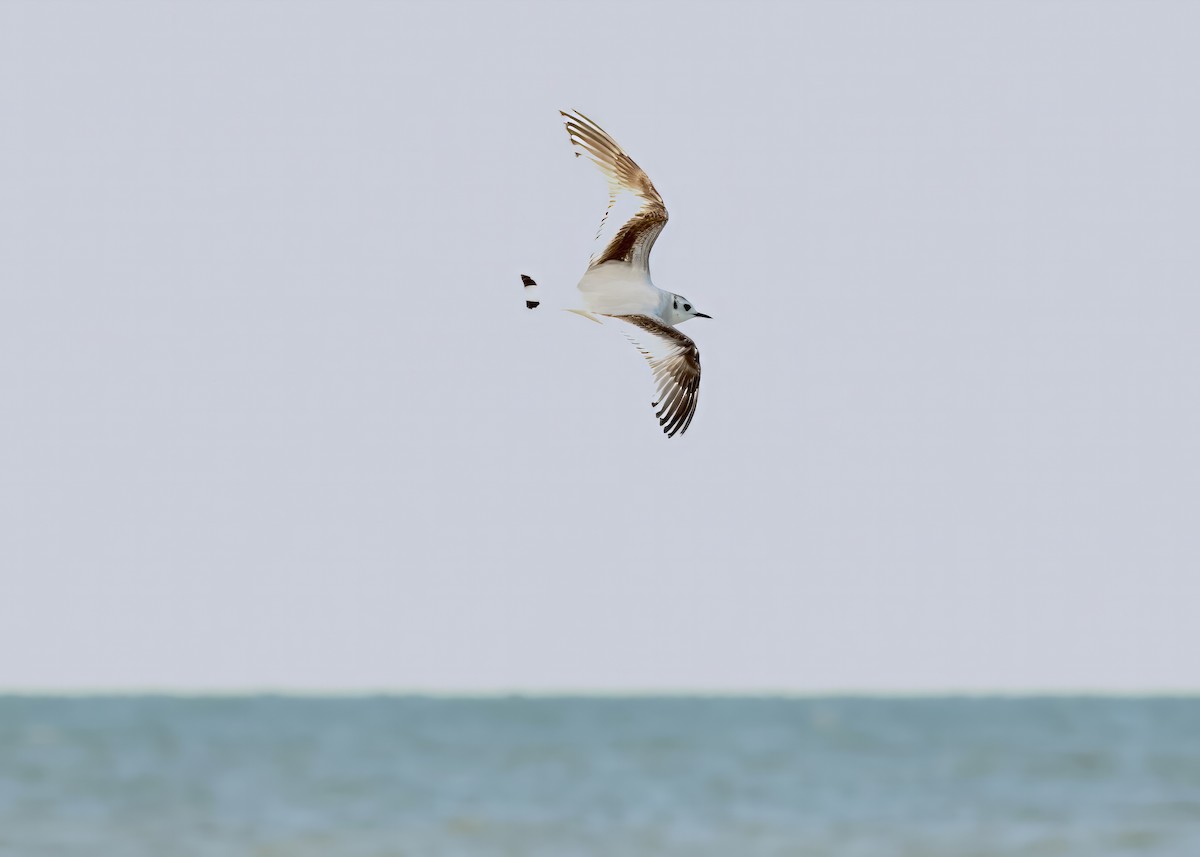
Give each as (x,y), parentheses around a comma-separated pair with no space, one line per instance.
(617,283)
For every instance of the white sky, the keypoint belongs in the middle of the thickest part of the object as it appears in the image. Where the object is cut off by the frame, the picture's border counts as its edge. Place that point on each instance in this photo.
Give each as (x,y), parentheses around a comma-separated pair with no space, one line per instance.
(273,415)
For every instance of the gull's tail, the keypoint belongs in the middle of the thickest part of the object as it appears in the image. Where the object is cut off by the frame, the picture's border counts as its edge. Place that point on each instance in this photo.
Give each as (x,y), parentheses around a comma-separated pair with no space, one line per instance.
(531,292)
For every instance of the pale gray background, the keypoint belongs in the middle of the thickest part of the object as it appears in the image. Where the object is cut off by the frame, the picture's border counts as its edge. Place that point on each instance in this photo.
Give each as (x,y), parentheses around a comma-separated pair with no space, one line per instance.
(274,416)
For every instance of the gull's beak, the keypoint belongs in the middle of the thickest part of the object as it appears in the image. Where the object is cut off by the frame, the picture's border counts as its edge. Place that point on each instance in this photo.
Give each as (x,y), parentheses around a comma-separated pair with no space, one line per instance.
(701,315)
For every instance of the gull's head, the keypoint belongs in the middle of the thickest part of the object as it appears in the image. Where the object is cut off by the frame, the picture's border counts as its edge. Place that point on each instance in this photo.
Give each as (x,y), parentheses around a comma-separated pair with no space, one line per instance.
(681,309)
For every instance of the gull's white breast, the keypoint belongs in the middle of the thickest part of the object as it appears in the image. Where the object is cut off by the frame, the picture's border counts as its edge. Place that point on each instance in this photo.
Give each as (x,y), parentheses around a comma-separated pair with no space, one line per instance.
(618,288)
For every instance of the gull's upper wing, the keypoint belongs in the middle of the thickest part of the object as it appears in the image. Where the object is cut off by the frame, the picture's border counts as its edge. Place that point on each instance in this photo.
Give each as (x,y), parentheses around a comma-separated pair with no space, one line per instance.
(634,235)
(675,362)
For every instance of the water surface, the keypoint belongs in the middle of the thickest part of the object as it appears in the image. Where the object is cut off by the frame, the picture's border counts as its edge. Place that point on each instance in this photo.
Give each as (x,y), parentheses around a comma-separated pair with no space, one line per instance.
(380,776)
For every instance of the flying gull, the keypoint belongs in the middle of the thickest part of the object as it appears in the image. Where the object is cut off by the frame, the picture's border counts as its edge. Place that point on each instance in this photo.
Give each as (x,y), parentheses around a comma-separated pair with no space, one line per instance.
(617,282)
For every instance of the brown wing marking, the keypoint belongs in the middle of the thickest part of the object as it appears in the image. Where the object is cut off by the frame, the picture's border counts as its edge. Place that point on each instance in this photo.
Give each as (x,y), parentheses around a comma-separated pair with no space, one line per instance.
(635,238)
(676,368)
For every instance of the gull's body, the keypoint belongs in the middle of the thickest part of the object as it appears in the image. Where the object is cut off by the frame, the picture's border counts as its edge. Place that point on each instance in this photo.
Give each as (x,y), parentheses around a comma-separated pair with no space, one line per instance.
(618,288)
(617,283)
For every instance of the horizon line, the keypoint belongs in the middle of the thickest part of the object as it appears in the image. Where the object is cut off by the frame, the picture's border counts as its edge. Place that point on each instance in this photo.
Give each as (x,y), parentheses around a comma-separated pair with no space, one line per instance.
(596,693)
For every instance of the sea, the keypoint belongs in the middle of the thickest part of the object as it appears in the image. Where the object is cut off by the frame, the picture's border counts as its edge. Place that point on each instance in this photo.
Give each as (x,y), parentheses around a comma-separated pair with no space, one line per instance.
(385,776)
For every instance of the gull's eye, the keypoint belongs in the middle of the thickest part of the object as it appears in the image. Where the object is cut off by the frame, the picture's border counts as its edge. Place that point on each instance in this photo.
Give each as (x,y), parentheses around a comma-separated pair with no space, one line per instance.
(687,307)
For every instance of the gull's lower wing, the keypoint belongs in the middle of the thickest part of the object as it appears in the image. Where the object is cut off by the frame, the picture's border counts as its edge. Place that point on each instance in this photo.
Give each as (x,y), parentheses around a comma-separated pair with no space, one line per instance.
(675,362)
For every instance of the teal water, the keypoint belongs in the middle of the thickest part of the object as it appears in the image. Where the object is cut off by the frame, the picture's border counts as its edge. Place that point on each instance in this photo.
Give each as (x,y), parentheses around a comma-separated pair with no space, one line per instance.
(369,777)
